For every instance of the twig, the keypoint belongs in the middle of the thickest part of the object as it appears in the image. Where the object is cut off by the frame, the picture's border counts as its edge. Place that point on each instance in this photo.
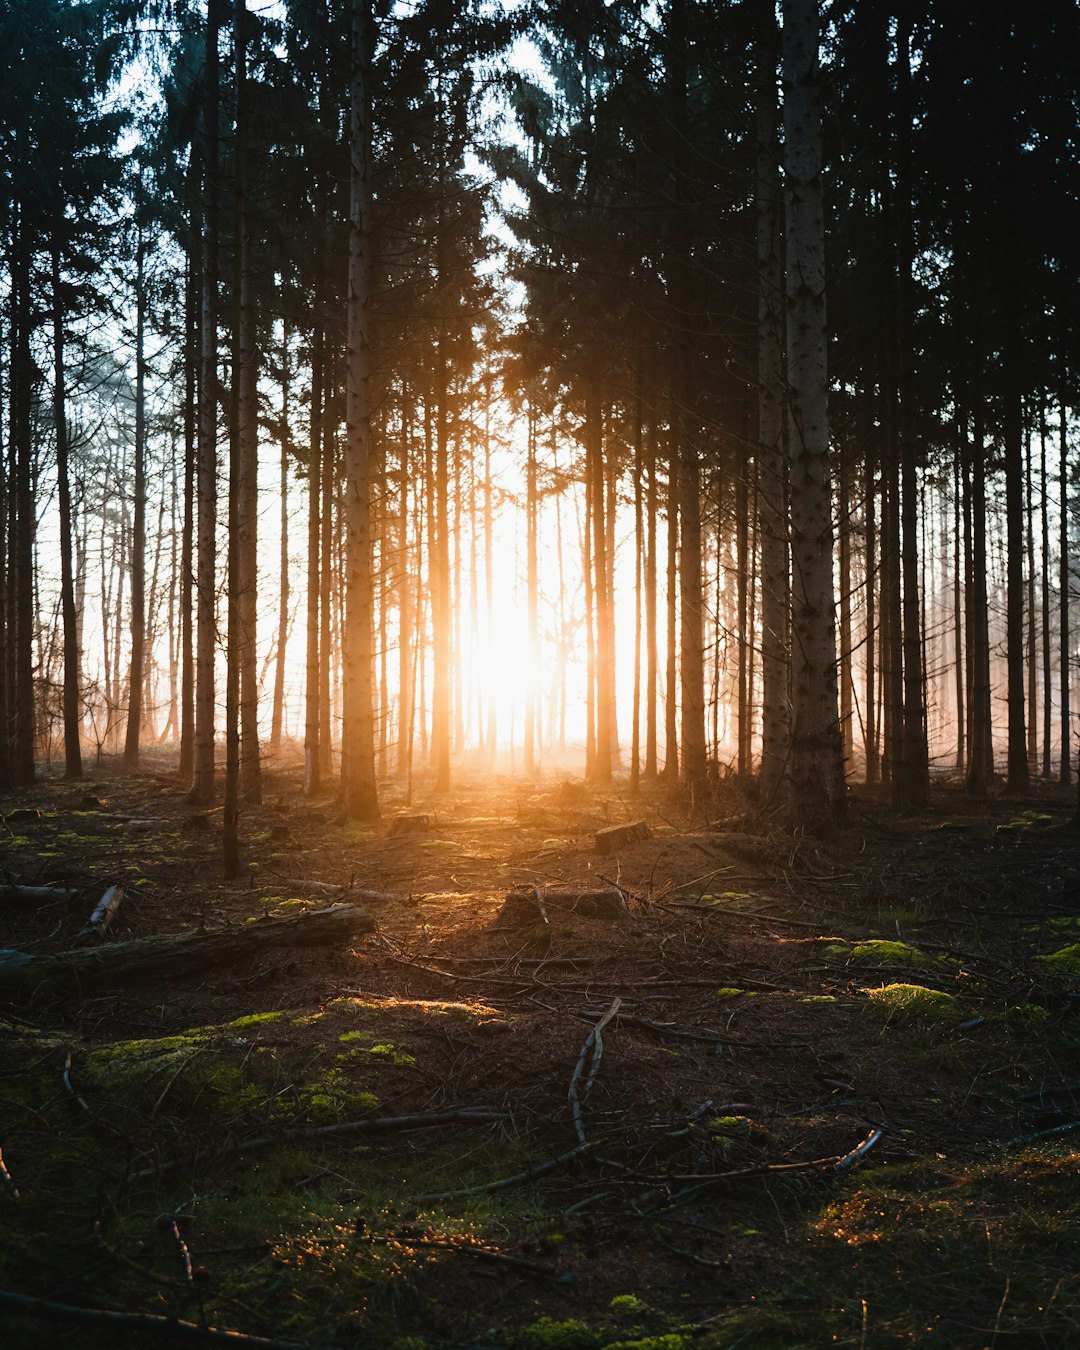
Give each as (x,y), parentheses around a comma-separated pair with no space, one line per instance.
(185,1250)
(858,1153)
(595,1042)
(1044,1134)
(8,1179)
(519,1178)
(71,1086)
(468,1249)
(139,1321)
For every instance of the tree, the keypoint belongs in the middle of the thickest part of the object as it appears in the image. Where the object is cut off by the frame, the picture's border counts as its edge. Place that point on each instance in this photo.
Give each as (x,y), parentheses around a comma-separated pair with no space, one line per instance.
(817,790)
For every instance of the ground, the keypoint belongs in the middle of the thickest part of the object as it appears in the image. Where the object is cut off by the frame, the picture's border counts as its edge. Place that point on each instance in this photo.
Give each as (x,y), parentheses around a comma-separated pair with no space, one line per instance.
(832,1103)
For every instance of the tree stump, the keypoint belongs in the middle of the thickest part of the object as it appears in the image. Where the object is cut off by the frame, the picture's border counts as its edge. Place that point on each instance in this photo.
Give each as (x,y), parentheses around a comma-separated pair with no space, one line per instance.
(613,838)
(523,908)
(409,825)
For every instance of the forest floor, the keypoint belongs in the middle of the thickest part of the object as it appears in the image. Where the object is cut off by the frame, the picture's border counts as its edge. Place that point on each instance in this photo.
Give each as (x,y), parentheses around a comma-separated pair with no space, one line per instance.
(833,1102)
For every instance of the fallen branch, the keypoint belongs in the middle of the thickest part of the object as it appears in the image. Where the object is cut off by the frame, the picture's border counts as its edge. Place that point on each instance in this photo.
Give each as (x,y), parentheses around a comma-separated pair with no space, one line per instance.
(519,1178)
(137,1321)
(182,952)
(41,894)
(595,1042)
(466,1115)
(858,1153)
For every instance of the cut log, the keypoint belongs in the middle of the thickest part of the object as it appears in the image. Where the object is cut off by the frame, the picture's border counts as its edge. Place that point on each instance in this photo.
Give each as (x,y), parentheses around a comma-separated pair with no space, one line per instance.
(527,907)
(409,825)
(104,912)
(621,836)
(182,953)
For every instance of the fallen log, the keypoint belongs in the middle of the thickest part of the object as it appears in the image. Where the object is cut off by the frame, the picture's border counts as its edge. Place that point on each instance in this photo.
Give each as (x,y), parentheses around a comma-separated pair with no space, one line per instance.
(181,953)
(620,836)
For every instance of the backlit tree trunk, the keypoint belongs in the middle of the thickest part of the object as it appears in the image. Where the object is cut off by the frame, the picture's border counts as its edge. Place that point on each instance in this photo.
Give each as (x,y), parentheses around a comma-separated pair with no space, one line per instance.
(817,770)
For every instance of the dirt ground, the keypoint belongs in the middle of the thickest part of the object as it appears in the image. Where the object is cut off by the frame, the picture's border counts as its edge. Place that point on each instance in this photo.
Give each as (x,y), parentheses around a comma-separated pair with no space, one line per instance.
(719,1086)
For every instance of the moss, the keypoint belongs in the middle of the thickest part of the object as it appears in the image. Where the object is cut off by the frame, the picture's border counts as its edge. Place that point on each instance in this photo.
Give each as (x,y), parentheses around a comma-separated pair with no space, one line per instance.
(256,1019)
(1066,961)
(547,1333)
(882,952)
(913,1002)
(729,991)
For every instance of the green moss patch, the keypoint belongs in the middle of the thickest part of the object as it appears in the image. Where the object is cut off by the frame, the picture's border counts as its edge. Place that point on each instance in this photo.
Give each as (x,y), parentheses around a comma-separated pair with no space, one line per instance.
(882,952)
(913,1002)
(1066,961)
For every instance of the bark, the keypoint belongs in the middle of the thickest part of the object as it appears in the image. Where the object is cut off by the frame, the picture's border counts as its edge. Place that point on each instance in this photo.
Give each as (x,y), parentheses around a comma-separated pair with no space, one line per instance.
(651,671)
(72,740)
(1017,776)
(138,536)
(277,711)
(671,732)
(1047,671)
(772,507)
(359,798)
(312,757)
(594,467)
(202,790)
(192,291)
(1063,591)
(817,789)
(980,761)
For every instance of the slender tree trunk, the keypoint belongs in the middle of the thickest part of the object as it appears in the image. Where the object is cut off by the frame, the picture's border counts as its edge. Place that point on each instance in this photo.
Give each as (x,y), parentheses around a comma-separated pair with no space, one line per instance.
(277,713)
(873,646)
(202,790)
(594,458)
(1047,669)
(639,549)
(192,293)
(671,724)
(911,785)
(312,756)
(138,539)
(1017,767)
(772,506)
(958,609)
(980,763)
(359,795)
(532,570)
(817,795)
(72,742)
(1032,636)
(651,654)
(1064,581)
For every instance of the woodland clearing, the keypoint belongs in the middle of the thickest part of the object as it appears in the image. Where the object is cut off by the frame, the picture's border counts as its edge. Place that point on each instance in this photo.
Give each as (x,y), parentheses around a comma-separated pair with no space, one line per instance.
(780,1093)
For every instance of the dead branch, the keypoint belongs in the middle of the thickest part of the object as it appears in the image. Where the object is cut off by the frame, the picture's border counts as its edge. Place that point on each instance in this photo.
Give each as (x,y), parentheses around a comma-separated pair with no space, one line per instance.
(183,952)
(595,1042)
(138,1321)
(38,894)
(519,1178)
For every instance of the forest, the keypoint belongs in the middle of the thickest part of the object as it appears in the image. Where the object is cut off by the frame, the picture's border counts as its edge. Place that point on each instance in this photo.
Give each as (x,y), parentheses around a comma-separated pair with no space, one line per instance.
(538,676)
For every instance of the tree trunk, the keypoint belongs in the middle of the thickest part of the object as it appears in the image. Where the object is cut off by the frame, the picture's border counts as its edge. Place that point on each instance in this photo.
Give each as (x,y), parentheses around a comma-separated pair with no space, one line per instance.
(1064,580)
(138,537)
(772,505)
(359,798)
(202,790)
(1017,766)
(72,741)
(817,791)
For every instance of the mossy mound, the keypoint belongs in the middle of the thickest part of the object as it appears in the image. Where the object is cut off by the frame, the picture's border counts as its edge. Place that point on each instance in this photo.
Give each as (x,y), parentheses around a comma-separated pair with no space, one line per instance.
(913,1002)
(883,952)
(1065,961)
